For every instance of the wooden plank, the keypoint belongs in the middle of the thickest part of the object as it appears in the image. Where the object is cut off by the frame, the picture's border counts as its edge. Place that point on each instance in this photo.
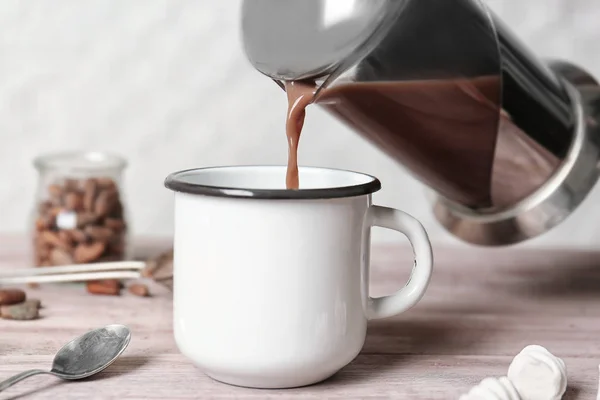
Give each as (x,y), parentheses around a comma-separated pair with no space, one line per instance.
(482,308)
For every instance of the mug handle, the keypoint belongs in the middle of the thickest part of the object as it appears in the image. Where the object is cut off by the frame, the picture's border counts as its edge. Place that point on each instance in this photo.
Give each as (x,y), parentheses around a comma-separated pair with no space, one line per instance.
(409,295)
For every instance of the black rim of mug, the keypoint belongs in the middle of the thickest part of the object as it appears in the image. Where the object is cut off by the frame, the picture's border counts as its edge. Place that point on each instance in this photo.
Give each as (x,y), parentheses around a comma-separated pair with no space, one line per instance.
(175,183)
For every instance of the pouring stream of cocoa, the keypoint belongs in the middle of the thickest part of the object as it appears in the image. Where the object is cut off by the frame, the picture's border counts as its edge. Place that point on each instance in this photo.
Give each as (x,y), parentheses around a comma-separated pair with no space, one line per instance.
(300,95)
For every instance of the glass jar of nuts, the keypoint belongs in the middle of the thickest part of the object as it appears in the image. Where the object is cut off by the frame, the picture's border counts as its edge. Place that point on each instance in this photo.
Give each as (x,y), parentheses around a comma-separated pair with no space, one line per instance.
(80,216)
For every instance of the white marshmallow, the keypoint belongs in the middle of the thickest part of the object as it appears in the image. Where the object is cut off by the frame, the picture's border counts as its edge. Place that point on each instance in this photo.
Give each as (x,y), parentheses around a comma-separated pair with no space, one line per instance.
(538,375)
(492,389)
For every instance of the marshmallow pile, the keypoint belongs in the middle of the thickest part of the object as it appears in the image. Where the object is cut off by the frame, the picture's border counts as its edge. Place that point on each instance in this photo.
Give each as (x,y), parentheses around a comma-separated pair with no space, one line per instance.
(534,374)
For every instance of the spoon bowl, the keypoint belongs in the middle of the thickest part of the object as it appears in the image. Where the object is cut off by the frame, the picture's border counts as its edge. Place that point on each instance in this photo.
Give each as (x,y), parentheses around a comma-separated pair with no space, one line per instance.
(91,353)
(84,356)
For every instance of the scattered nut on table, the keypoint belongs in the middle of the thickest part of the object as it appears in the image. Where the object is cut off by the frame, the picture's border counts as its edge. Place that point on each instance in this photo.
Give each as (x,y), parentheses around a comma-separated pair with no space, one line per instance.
(14,305)
(11,296)
(139,289)
(109,287)
(26,310)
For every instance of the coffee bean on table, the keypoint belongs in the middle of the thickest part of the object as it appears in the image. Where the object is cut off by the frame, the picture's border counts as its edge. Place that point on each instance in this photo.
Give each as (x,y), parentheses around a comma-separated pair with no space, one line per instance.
(139,289)
(11,296)
(109,287)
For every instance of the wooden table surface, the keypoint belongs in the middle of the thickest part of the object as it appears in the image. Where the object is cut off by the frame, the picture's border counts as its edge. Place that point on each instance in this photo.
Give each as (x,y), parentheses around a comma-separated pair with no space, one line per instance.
(482,308)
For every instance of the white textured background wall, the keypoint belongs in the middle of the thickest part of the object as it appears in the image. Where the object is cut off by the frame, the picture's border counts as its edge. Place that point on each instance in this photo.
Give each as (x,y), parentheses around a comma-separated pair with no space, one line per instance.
(165,83)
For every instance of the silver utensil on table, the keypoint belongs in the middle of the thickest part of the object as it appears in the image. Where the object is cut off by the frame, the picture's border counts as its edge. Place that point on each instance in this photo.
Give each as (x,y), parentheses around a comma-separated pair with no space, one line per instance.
(84,356)
(158,268)
(74,273)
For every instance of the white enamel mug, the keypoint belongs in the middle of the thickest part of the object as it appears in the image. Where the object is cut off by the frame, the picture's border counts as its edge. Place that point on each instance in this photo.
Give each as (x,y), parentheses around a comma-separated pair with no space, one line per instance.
(271,286)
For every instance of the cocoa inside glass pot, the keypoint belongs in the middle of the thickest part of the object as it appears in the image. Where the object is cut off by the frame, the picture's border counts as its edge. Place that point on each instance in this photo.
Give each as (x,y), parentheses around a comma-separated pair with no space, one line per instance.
(508,143)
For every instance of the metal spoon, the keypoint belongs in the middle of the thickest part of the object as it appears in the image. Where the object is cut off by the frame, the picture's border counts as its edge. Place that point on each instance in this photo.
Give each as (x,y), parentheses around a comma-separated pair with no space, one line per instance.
(84,356)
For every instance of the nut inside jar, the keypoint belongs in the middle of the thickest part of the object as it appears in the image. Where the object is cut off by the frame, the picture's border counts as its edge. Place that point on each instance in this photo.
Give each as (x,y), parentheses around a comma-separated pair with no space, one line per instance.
(79,220)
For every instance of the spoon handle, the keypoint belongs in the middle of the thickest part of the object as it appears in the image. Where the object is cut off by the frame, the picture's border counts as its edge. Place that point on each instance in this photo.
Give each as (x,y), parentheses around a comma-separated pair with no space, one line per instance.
(19,377)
